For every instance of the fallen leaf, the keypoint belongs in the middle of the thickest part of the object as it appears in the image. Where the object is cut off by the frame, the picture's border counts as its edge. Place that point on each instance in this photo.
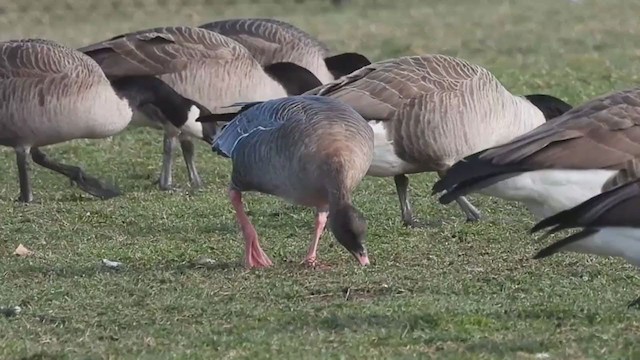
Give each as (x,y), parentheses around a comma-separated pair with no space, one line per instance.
(111,264)
(205,262)
(22,251)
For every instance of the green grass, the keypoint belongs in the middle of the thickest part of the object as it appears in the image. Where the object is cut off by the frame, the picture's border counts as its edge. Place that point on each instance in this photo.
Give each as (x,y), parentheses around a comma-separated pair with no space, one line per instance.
(456,290)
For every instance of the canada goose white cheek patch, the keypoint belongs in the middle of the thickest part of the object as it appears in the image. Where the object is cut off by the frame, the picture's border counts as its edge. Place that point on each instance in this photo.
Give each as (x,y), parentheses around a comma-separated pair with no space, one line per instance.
(191,127)
(385,161)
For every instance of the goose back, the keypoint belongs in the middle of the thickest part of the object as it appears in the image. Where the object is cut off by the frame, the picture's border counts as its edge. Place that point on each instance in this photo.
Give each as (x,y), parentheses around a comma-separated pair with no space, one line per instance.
(306,149)
(50,93)
(202,65)
(271,40)
(435,109)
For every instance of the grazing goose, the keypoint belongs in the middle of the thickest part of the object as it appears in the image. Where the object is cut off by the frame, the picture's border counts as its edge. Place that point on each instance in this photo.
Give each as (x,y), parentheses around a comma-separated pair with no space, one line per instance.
(559,164)
(52,94)
(202,65)
(271,41)
(428,112)
(309,150)
(610,224)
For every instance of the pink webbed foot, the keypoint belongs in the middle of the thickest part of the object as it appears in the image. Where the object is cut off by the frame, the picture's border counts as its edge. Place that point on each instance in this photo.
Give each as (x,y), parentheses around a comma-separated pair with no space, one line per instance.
(256,257)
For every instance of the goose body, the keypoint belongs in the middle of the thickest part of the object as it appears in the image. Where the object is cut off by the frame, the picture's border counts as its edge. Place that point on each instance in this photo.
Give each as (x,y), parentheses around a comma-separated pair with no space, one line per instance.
(271,41)
(559,164)
(428,112)
(202,65)
(52,94)
(309,150)
(609,222)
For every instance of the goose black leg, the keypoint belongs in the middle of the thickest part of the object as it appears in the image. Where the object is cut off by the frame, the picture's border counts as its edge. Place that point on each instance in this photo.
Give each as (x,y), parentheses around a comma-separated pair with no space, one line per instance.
(402,187)
(467,208)
(88,184)
(22,159)
(169,144)
(188,152)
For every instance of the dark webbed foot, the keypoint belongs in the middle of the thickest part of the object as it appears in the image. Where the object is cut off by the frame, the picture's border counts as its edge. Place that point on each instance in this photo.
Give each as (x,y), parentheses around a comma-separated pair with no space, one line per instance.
(76,175)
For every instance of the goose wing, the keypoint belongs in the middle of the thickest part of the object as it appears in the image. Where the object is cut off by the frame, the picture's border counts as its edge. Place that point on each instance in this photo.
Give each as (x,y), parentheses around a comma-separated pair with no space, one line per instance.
(379,90)
(618,207)
(39,58)
(253,117)
(603,133)
(264,35)
(161,51)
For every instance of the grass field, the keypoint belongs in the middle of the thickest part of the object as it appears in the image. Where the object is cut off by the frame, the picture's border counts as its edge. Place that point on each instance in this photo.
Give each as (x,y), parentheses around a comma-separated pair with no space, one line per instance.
(455,290)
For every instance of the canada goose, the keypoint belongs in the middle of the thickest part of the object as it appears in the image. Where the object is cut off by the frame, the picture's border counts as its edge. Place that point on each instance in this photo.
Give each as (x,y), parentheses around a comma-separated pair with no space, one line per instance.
(202,65)
(428,112)
(610,224)
(309,150)
(559,164)
(271,40)
(52,94)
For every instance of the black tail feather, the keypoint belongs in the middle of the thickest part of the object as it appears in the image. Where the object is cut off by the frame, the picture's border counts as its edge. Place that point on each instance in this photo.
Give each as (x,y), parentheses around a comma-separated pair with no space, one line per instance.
(472,173)
(558,245)
(227,117)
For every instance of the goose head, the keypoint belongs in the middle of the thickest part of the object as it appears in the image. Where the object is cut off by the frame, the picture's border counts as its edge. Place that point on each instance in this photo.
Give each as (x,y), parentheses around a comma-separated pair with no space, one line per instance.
(350,228)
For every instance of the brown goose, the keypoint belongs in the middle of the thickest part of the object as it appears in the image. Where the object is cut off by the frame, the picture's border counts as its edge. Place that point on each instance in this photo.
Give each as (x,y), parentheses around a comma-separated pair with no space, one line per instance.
(559,164)
(309,150)
(430,111)
(202,65)
(271,40)
(52,94)
(610,224)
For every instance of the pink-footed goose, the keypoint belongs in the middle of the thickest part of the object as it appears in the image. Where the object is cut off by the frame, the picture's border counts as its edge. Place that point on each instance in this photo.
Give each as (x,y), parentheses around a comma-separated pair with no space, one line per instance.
(428,112)
(559,164)
(610,224)
(309,150)
(271,41)
(202,65)
(52,94)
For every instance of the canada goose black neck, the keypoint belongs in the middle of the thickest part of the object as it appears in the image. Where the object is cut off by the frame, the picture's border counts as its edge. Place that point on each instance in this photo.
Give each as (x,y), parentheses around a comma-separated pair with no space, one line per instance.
(550,106)
(295,79)
(346,63)
(144,91)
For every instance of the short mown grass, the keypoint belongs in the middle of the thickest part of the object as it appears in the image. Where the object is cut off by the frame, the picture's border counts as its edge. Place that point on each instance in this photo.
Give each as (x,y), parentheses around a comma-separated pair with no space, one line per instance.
(454,290)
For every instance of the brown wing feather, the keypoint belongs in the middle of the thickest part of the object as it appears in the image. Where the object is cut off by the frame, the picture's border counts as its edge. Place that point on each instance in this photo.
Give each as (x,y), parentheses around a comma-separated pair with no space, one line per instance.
(377,91)
(161,51)
(602,133)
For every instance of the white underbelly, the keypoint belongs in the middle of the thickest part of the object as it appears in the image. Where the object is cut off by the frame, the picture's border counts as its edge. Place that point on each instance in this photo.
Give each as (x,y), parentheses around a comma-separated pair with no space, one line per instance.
(617,242)
(385,162)
(547,192)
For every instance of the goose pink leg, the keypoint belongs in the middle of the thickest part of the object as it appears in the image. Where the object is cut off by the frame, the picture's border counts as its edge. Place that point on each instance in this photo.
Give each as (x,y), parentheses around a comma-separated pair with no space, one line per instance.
(253,254)
(321,221)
